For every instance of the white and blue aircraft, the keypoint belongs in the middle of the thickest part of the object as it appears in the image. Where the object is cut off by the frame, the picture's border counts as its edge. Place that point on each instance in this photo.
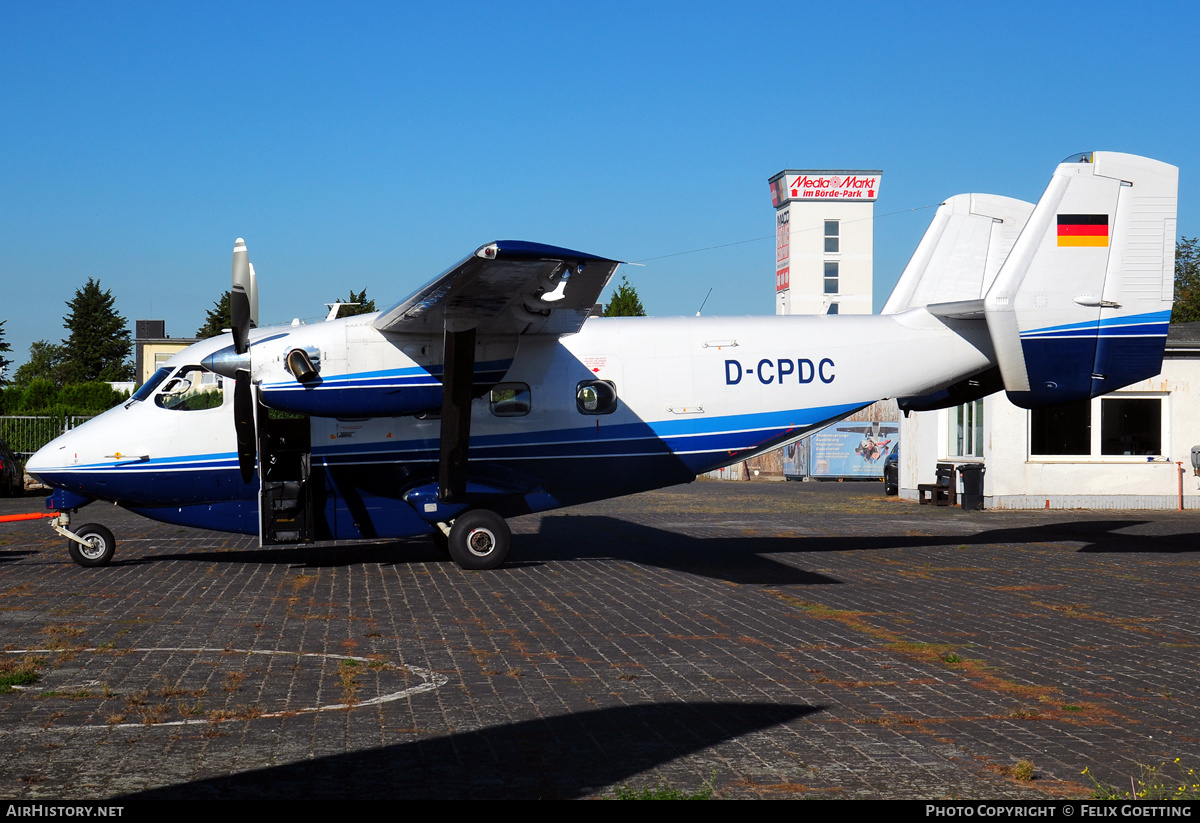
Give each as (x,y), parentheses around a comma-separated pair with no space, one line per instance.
(490,393)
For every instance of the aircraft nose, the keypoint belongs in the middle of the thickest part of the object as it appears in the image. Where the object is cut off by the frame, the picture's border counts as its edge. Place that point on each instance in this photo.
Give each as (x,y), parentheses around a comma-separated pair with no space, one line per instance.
(47,458)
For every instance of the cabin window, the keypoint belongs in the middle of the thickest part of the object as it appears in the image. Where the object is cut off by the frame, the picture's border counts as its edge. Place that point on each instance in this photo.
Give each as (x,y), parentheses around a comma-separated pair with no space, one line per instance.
(1131,426)
(596,397)
(832,237)
(831,277)
(510,400)
(187,390)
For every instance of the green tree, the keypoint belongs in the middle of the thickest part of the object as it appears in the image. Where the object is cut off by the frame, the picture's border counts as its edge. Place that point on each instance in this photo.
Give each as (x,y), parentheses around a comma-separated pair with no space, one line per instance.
(4,361)
(1187,281)
(625,302)
(45,361)
(217,320)
(98,347)
(364,306)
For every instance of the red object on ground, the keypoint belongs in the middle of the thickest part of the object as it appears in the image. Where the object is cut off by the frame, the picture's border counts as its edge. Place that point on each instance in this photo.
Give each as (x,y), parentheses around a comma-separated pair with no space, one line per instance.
(9,518)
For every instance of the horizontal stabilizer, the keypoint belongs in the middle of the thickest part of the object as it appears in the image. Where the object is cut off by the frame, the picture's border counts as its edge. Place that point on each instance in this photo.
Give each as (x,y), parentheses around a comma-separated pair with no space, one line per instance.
(958,310)
(961,252)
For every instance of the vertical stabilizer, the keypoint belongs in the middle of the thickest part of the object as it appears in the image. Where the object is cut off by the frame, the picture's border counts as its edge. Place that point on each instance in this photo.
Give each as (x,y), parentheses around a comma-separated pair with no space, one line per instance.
(1081,305)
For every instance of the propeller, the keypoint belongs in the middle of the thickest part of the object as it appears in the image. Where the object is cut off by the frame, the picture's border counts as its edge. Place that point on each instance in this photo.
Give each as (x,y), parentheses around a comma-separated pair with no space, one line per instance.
(243,310)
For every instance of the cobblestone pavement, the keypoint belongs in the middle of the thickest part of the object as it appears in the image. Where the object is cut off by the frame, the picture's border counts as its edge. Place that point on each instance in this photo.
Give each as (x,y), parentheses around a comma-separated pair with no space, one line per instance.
(767,639)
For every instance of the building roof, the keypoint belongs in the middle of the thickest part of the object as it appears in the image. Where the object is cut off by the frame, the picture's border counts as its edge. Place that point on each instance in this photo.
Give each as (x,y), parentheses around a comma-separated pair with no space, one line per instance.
(1183,338)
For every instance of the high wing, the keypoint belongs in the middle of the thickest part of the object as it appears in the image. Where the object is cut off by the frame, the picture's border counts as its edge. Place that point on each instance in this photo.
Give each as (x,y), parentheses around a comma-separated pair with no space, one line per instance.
(506,287)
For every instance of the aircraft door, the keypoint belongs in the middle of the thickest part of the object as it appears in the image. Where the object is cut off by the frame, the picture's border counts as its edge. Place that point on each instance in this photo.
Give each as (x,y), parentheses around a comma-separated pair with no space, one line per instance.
(286,490)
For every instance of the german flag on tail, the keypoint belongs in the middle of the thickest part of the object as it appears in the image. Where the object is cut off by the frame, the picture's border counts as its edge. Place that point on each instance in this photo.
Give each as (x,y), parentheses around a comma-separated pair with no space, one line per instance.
(1083,230)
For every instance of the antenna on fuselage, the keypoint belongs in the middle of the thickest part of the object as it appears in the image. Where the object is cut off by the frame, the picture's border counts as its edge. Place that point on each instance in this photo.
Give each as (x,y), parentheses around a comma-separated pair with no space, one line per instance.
(702,302)
(333,309)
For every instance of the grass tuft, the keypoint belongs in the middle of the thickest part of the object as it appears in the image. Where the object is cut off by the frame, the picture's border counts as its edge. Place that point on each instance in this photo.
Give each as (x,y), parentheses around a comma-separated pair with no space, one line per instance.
(18,671)
(665,792)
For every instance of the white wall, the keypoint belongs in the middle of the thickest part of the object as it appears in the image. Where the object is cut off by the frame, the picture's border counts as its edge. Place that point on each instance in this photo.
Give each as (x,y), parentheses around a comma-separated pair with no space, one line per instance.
(808,256)
(1014,479)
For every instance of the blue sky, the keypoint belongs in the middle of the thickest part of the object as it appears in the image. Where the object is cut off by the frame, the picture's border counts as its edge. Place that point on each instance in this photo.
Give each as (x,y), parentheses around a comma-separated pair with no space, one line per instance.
(371,145)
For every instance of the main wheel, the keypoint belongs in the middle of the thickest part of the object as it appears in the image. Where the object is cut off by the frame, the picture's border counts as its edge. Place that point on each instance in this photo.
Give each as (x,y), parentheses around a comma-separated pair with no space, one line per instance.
(99,549)
(480,539)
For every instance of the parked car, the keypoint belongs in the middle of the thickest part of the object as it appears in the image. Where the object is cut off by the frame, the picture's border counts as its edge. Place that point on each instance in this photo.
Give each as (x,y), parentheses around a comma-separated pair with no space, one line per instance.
(891,472)
(12,475)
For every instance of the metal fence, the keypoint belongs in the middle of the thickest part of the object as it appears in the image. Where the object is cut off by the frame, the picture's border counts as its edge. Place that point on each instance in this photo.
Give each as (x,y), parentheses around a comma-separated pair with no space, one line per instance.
(25,434)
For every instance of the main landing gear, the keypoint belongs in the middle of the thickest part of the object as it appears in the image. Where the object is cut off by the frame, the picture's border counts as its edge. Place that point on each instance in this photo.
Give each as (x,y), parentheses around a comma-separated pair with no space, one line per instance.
(90,545)
(476,540)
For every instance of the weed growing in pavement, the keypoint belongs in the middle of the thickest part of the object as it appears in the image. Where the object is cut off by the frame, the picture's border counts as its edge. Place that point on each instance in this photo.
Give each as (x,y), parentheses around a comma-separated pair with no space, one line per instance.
(1023,771)
(348,672)
(665,792)
(18,671)
(1165,781)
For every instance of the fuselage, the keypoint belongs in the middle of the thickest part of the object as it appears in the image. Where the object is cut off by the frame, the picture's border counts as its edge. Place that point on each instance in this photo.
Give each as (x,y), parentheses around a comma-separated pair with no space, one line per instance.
(691,395)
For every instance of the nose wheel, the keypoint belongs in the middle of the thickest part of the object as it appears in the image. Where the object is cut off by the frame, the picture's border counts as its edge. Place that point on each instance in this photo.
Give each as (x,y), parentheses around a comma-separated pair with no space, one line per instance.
(96,546)
(90,545)
(479,539)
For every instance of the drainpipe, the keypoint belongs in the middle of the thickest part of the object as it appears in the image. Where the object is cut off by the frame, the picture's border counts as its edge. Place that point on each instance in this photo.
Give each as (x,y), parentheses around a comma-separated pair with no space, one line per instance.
(1180,464)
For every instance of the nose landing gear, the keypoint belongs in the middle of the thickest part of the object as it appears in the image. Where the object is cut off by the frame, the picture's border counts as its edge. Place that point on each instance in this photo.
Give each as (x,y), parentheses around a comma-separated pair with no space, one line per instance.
(90,545)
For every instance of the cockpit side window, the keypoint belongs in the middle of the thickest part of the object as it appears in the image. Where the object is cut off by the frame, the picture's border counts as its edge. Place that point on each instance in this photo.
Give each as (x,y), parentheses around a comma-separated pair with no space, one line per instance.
(150,385)
(191,389)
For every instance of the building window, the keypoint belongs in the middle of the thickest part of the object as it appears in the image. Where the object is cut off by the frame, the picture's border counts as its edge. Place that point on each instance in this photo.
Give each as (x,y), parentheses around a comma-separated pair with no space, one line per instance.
(831,277)
(965,430)
(1061,431)
(1130,426)
(833,308)
(832,237)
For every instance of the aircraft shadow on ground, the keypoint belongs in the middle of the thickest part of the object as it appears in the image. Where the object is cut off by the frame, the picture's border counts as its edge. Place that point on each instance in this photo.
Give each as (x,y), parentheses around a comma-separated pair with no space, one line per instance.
(567,756)
(743,559)
(747,558)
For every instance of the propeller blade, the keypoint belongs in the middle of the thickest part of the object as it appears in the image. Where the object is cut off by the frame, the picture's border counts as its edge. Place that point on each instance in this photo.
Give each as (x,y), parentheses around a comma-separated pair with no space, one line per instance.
(243,424)
(240,303)
(253,298)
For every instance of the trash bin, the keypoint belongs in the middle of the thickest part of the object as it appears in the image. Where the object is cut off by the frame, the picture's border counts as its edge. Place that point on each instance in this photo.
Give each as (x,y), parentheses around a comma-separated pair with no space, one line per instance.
(972,485)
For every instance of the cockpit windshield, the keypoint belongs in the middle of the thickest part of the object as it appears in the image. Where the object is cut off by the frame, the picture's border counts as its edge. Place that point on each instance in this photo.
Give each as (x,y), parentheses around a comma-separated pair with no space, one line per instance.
(150,385)
(190,389)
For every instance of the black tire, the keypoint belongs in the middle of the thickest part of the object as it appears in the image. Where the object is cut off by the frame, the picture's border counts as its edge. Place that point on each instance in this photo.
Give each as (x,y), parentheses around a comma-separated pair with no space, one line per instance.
(480,539)
(101,547)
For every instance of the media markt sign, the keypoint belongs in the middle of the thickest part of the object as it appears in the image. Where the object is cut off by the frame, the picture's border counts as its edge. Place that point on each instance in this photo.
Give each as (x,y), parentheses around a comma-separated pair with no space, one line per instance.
(860,186)
(835,186)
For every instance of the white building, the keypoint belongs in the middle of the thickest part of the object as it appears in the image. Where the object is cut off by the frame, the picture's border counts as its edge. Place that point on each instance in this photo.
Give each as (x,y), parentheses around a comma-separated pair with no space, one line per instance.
(824,240)
(1119,451)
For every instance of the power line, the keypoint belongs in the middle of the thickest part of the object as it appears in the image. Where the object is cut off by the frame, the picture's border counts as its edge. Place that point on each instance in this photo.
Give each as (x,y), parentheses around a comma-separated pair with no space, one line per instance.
(772,237)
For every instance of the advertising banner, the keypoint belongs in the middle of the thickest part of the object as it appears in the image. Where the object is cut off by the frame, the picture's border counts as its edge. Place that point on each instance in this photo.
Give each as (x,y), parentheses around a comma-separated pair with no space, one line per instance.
(840,451)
